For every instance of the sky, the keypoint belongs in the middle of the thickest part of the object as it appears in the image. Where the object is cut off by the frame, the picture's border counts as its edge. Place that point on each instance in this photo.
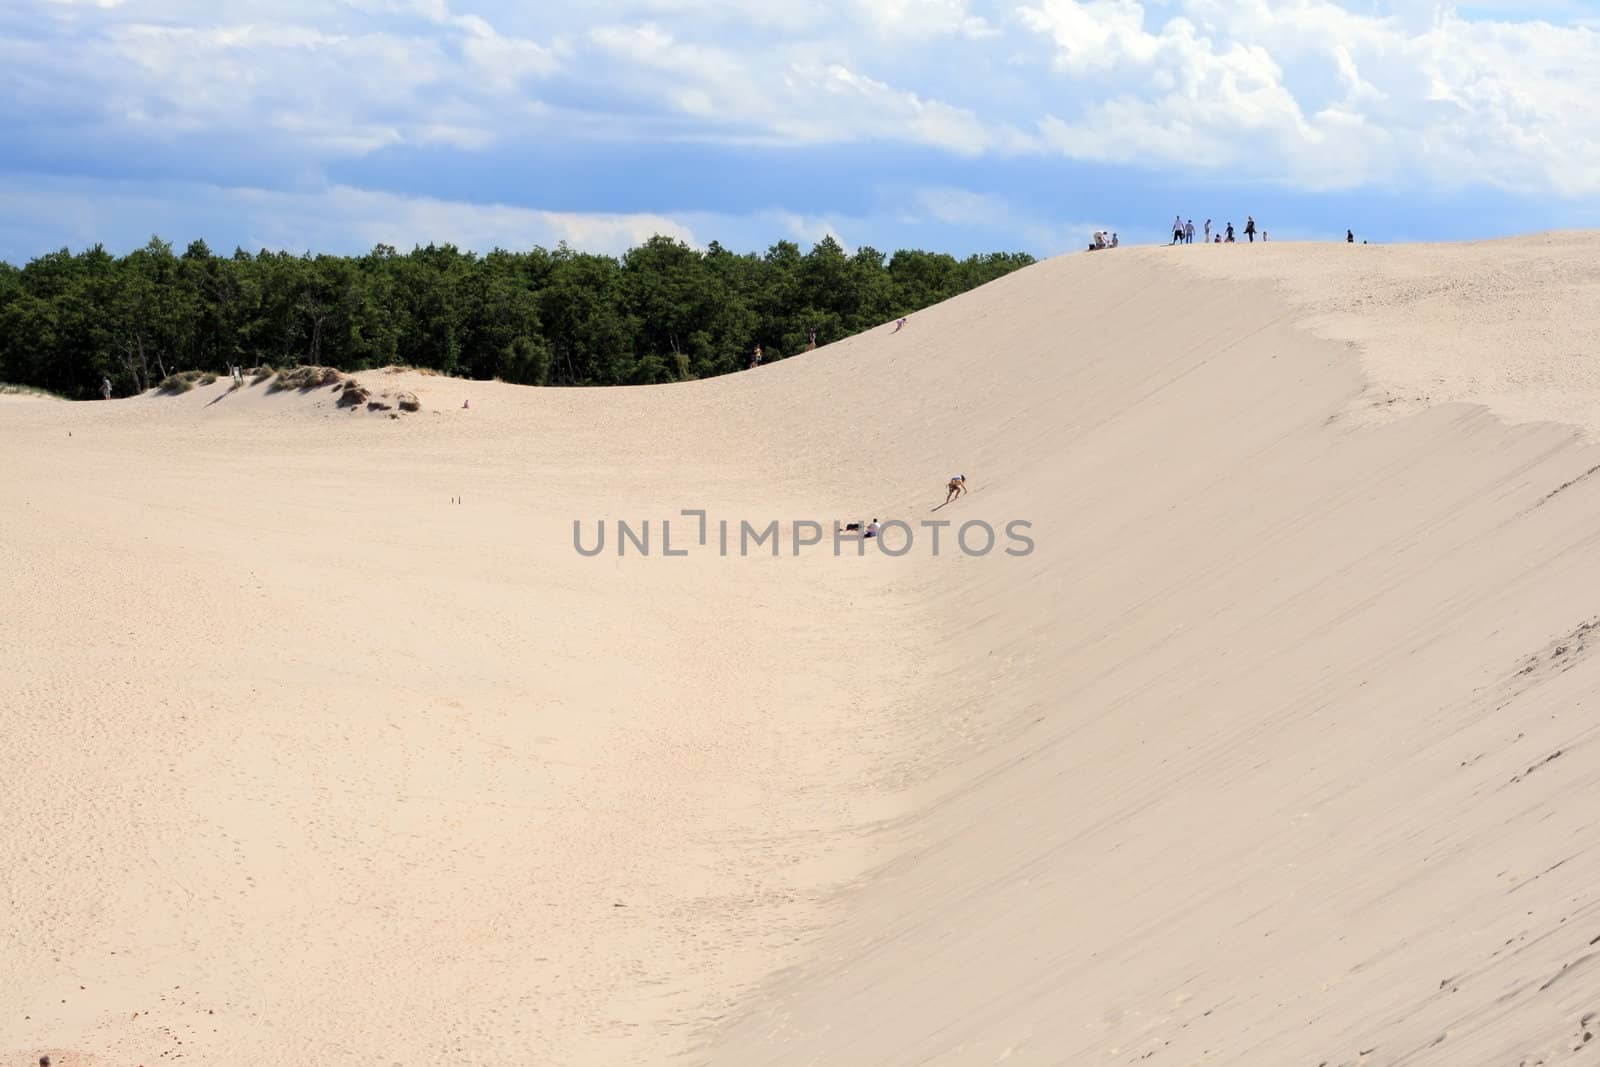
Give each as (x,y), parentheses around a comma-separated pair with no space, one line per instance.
(964,126)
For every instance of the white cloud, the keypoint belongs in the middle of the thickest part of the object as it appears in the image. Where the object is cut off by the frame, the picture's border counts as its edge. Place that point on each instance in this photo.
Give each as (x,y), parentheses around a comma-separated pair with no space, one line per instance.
(1319,95)
(347,81)
(788,94)
(1314,94)
(336,218)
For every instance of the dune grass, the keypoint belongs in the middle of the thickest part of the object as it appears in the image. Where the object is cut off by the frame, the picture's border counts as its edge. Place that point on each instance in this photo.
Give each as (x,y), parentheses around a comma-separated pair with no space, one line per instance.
(8,389)
(183,381)
(304,377)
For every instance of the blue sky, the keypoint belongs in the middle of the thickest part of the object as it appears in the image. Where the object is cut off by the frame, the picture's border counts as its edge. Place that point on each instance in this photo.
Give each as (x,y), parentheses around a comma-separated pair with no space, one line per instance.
(959,125)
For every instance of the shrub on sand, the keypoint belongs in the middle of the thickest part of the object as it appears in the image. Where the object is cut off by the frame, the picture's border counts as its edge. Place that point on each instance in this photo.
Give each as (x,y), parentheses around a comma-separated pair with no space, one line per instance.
(304,377)
(261,374)
(180,382)
(352,394)
(9,389)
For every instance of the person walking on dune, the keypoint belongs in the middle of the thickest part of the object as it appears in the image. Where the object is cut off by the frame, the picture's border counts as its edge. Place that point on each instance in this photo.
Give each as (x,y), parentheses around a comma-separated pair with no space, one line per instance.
(957,486)
(755,360)
(105,388)
(1230,234)
(1177,229)
(1250,228)
(1208,231)
(1188,232)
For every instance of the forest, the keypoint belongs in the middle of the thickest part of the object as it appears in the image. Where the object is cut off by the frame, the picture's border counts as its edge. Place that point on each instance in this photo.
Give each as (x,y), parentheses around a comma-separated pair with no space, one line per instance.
(661,312)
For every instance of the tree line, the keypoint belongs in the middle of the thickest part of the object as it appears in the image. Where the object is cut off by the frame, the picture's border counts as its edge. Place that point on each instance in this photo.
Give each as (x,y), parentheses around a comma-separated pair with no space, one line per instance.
(660,312)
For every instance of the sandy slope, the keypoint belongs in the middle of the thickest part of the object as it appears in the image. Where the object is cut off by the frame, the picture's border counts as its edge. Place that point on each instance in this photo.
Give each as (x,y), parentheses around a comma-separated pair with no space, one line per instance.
(1276,749)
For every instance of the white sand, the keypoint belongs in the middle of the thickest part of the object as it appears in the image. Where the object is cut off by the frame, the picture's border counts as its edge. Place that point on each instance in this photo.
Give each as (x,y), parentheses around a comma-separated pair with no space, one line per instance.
(1253,760)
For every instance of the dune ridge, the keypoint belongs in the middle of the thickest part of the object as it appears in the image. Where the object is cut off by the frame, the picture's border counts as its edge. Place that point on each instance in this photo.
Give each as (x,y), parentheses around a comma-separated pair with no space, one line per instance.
(1273,750)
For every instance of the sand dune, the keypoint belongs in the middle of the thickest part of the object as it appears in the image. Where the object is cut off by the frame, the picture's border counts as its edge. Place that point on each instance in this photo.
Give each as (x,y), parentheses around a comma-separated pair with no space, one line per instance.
(1274,750)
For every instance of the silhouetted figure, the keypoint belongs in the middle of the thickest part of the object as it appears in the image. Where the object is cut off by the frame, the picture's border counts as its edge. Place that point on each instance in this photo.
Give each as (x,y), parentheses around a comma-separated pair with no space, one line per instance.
(1350,237)
(1250,228)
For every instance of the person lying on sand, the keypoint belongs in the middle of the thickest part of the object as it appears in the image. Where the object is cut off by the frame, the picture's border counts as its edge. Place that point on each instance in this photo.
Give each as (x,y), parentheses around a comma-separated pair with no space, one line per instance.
(957,486)
(872,529)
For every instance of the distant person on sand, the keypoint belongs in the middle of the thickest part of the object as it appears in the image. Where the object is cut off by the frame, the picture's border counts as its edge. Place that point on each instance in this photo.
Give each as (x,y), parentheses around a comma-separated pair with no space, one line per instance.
(872,529)
(1250,228)
(1208,231)
(1115,240)
(1177,229)
(1230,233)
(811,339)
(105,388)
(1188,232)
(755,360)
(1263,236)
(957,486)
(1350,237)
(899,326)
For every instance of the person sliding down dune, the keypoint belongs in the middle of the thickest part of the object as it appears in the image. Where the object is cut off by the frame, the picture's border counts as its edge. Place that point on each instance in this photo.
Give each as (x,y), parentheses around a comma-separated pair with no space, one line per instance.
(957,486)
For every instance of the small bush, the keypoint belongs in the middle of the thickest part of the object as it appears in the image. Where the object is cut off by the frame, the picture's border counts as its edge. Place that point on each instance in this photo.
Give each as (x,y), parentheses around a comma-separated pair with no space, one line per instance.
(352,395)
(304,377)
(261,374)
(180,382)
(208,379)
(8,389)
(408,402)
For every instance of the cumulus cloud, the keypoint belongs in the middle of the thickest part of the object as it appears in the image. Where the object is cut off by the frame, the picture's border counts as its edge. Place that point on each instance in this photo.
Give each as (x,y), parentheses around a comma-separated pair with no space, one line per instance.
(790,94)
(1317,95)
(336,218)
(1324,94)
(369,75)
